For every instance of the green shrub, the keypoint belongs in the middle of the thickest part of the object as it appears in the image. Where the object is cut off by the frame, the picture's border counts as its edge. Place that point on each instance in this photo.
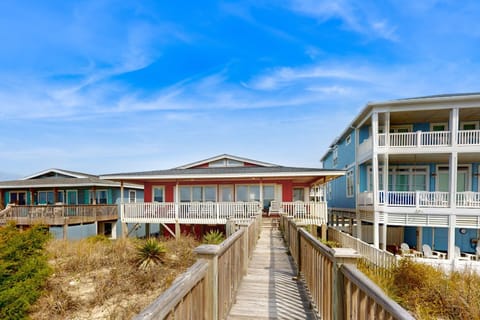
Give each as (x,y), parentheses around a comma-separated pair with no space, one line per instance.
(23,269)
(150,253)
(213,237)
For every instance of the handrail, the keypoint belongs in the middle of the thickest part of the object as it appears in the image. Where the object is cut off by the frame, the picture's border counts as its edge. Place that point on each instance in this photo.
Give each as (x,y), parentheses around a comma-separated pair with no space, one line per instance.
(208,288)
(374,292)
(170,300)
(336,291)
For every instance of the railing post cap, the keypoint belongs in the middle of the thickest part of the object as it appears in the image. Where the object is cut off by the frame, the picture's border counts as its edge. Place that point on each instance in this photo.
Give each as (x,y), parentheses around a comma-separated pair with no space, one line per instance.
(346,253)
(207,249)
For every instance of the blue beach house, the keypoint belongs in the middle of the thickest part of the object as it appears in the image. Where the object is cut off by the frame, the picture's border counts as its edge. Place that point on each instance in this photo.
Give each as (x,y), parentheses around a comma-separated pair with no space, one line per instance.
(412,173)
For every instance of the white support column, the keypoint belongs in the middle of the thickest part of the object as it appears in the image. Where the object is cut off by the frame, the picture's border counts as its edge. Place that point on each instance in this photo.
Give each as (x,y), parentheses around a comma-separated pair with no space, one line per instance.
(357,188)
(122,212)
(384,231)
(376,240)
(451,236)
(177,208)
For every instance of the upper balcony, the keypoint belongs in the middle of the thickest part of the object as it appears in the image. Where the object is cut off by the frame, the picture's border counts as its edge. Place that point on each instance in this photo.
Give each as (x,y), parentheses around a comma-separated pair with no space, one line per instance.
(420,142)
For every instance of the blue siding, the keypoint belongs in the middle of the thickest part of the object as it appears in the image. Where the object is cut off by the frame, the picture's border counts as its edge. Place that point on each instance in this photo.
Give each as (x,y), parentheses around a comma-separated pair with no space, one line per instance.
(364,133)
(346,159)
(410,237)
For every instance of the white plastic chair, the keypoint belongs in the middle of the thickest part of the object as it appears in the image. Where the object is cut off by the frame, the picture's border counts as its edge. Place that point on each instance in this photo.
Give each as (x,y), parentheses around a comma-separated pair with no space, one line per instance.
(428,253)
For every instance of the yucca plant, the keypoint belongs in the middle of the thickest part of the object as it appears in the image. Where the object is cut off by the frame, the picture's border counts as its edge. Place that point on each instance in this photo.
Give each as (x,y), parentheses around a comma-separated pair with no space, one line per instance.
(213,237)
(150,253)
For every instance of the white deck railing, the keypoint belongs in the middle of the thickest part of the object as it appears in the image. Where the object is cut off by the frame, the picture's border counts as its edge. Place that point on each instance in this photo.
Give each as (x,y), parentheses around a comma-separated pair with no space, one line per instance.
(468,199)
(423,199)
(416,139)
(308,212)
(469,137)
(188,212)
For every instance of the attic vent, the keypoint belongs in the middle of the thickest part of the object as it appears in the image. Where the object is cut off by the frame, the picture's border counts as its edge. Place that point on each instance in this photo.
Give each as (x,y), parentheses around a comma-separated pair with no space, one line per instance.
(225,163)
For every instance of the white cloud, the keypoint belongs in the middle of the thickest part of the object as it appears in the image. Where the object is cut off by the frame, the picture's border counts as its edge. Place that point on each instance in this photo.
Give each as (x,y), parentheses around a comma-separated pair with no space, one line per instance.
(353,15)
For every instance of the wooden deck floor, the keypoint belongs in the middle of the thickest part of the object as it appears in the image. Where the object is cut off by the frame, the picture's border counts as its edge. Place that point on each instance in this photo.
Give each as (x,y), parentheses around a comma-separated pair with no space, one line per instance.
(270,289)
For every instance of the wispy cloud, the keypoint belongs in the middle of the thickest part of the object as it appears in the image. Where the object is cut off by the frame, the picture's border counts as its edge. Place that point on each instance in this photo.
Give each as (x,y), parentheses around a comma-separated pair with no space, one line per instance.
(353,15)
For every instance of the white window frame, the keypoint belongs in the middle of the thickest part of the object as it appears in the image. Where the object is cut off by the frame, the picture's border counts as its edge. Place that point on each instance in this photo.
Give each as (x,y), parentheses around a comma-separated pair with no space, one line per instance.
(46,196)
(90,196)
(348,139)
(445,124)
(248,191)
(467,168)
(475,123)
(335,155)
(153,192)
(202,186)
(395,170)
(130,192)
(349,185)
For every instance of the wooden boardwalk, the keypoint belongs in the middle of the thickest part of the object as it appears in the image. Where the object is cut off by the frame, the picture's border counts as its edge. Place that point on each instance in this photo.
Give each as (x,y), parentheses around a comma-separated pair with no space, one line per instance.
(270,289)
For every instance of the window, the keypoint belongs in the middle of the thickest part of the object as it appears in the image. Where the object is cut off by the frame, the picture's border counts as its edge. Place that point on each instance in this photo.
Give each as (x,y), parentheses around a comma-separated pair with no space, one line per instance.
(402,179)
(247,193)
(471,125)
(60,196)
(18,198)
(158,194)
(45,197)
(132,196)
(349,178)
(268,196)
(298,194)
(439,126)
(198,193)
(100,197)
(226,163)
(348,139)
(335,155)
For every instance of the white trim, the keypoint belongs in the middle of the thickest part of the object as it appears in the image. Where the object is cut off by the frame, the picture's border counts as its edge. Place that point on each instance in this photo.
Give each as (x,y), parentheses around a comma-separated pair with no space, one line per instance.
(349,174)
(467,168)
(90,194)
(399,169)
(68,185)
(66,173)
(134,196)
(232,175)
(445,124)
(226,156)
(163,192)
(462,123)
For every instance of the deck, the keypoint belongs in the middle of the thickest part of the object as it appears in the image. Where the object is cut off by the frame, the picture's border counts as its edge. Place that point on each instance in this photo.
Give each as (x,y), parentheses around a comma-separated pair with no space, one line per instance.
(270,289)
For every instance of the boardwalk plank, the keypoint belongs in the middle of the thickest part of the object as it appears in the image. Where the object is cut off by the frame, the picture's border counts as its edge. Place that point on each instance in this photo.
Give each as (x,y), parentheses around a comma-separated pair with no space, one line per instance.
(270,289)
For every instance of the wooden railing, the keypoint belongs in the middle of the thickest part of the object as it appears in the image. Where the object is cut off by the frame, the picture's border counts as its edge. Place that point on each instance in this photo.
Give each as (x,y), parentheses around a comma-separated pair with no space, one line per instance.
(420,199)
(208,288)
(188,212)
(337,288)
(379,260)
(57,214)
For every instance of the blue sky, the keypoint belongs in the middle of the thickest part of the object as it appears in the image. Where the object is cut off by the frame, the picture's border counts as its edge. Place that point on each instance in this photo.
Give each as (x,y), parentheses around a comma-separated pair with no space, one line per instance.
(119,86)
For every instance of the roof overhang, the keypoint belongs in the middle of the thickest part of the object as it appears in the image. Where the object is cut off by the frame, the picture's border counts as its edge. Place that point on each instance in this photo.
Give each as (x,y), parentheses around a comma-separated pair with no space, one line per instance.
(312,177)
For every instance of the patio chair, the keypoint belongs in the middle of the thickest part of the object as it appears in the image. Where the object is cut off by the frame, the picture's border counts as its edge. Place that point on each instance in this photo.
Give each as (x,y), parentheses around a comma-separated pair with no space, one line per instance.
(405,250)
(428,253)
(458,254)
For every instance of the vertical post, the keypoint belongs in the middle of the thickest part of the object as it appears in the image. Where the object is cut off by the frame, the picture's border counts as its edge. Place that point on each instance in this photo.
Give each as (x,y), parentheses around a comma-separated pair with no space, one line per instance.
(342,256)
(209,253)
(122,212)
(384,231)
(375,178)
(65,229)
(147,230)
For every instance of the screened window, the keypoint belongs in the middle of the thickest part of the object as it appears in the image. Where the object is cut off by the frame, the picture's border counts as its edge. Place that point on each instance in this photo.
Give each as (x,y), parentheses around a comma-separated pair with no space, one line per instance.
(248,193)
(45,197)
(158,194)
(198,193)
(100,196)
(132,196)
(349,178)
(298,194)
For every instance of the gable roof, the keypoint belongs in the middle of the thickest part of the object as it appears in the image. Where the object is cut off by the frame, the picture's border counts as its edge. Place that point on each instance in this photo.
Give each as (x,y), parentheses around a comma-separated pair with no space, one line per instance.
(227,157)
(68,173)
(260,170)
(62,179)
